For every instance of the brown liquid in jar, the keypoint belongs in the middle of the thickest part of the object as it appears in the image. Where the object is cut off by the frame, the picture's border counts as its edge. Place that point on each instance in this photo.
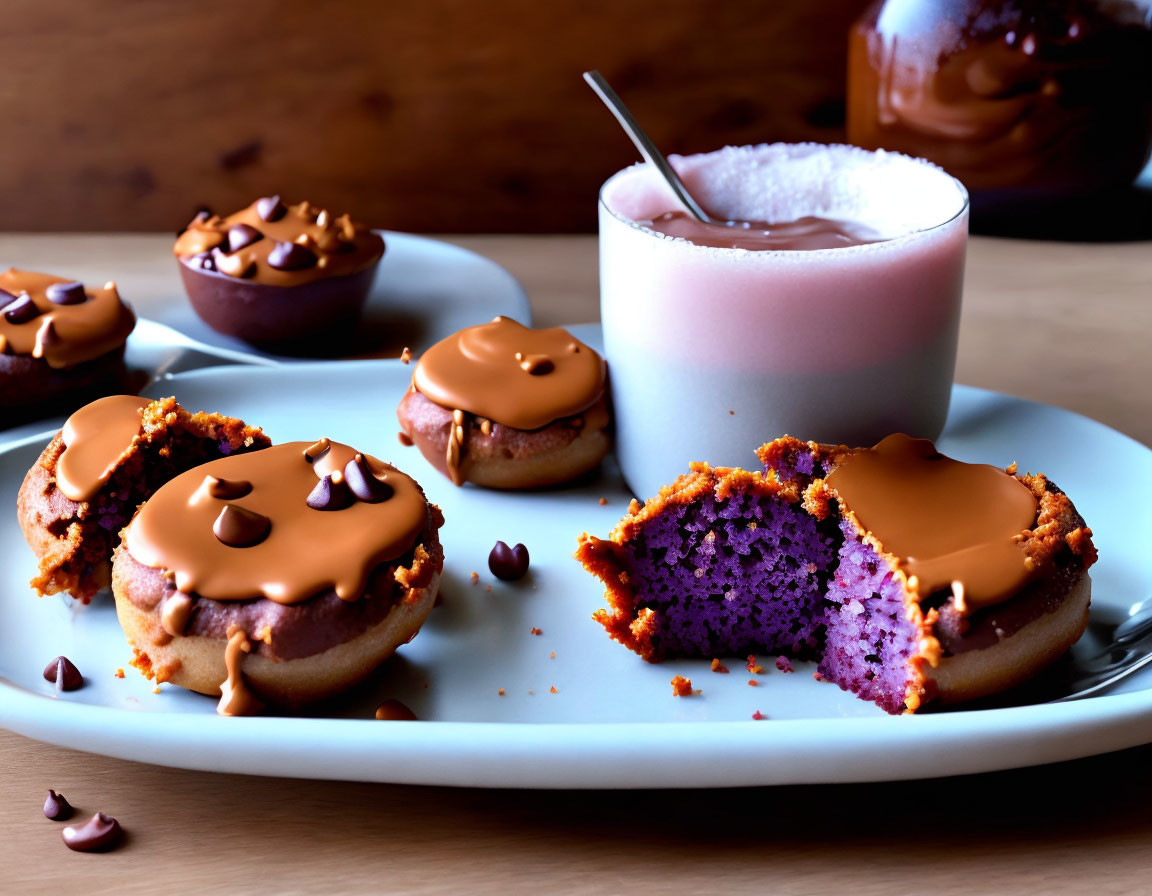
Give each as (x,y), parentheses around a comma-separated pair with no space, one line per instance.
(1026,103)
(809,232)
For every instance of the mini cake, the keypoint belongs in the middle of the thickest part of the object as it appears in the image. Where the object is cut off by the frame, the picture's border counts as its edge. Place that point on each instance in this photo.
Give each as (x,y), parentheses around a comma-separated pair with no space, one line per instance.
(506,406)
(59,342)
(910,576)
(277,274)
(111,455)
(283,577)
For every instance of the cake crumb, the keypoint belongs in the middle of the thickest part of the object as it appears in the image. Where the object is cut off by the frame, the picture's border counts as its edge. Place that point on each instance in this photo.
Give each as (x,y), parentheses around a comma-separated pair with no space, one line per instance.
(156,690)
(752,665)
(758,715)
(603,501)
(119,673)
(682,687)
(552,655)
(732,413)
(501,692)
(536,631)
(753,683)
(818,676)
(531,692)
(488,590)
(718,666)
(784,664)
(406,355)
(552,690)
(475,578)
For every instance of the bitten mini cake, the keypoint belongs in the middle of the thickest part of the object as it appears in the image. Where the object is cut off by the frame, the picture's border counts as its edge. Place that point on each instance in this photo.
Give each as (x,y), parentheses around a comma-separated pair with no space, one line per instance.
(282,577)
(59,341)
(506,406)
(111,455)
(277,274)
(910,576)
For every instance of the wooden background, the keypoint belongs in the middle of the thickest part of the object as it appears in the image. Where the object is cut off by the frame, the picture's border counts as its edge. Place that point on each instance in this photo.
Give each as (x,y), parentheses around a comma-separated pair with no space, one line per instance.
(422,115)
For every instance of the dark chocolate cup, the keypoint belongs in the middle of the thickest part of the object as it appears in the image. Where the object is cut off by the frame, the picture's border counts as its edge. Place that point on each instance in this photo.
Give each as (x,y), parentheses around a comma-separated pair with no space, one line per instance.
(276,315)
(31,389)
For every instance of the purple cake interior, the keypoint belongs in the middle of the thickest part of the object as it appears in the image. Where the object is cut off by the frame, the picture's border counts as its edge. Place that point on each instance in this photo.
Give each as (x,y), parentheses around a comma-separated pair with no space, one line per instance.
(757,574)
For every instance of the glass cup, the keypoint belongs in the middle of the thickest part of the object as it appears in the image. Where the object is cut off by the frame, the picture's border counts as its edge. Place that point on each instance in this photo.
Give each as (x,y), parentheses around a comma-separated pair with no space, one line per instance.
(714,351)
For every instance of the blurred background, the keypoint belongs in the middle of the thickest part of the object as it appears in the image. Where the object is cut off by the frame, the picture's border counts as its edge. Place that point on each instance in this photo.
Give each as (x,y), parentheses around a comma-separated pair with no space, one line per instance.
(432,116)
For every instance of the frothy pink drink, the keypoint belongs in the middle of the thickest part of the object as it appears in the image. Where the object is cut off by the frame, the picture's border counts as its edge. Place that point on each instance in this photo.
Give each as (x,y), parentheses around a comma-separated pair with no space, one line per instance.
(714,350)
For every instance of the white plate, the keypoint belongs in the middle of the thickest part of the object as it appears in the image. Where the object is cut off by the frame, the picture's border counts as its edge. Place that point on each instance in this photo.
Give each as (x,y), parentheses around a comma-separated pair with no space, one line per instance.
(613,721)
(424,291)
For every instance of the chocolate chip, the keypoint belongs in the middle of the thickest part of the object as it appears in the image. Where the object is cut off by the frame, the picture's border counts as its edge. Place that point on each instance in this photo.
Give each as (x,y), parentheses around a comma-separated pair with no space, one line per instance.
(238,527)
(204,261)
(227,489)
(316,450)
(64,673)
(291,257)
(98,832)
(508,563)
(270,208)
(394,711)
(364,483)
(66,293)
(331,493)
(242,235)
(56,807)
(7,298)
(536,365)
(21,311)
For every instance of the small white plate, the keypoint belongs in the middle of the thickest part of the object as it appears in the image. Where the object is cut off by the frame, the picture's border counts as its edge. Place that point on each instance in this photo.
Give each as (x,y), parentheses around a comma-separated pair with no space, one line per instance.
(612,720)
(424,291)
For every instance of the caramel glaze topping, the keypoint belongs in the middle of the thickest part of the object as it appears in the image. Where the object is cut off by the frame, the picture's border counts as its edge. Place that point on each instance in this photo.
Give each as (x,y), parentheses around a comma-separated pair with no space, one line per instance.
(296,551)
(236,698)
(95,438)
(279,245)
(59,320)
(949,524)
(511,374)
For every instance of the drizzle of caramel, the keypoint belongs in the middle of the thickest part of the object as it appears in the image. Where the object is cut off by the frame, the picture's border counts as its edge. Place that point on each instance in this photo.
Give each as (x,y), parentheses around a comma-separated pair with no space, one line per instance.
(306,551)
(64,335)
(95,438)
(236,698)
(952,525)
(511,374)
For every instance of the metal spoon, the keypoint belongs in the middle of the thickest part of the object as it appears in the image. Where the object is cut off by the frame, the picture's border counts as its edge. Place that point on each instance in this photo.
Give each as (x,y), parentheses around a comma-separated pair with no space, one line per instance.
(1129,650)
(647,148)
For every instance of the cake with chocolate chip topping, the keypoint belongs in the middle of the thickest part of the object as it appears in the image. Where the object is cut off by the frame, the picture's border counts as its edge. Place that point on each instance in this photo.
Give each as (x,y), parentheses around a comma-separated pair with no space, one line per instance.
(277,274)
(279,578)
(110,456)
(909,576)
(507,406)
(61,343)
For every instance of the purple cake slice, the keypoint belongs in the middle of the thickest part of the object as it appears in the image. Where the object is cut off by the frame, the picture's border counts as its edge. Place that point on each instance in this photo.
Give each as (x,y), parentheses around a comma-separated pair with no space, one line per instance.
(726,562)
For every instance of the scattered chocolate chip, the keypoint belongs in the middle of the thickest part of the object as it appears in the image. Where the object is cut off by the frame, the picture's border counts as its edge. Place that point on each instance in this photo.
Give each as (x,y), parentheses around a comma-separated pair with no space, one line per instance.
(238,527)
(270,208)
(508,563)
(291,257)
(364,483)
(316,450)
(394,711)
(98,832)
(7,298)
(227,489)
(535,365)
(64,673)
(66,293)
(21,311)
(46,336)
(56,807)
(242,235)
(331,493)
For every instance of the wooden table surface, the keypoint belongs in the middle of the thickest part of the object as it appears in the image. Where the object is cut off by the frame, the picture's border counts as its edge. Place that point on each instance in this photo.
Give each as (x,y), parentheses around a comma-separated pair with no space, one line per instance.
(1066,324)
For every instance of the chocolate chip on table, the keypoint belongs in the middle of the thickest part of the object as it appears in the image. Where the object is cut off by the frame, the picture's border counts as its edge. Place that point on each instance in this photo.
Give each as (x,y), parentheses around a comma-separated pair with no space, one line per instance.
(66,293)
(21,311)
(239,527)
(331,493)
(56,808)
(241,236)
(270,208)
(64,673)
(291,257)
(98,833)
(364,483)
(508,563)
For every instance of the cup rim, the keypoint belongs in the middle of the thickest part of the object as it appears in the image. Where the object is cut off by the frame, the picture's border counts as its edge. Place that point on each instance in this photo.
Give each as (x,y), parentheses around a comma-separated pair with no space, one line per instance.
(649,232)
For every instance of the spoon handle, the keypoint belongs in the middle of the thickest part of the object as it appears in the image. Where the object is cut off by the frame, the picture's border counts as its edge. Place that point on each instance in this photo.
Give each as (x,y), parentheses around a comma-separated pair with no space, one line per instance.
(647,148)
